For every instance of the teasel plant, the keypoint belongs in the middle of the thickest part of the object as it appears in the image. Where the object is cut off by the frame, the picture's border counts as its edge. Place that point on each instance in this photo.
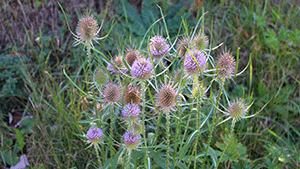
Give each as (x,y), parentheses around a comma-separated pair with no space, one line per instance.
(171,78)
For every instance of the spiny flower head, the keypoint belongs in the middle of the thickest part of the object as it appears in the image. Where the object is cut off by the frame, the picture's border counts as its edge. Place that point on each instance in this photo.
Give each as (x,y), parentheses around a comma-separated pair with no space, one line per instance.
(132,95)
(116,66)
(87,29)
(182,46)
(131,139)
(137,127)
(112,93)
(166,97)
(226,65)
(200,42)
(131,55)
(191,65)
(100,77)
(141,68)
(198,90)
(132,110)
(94,135)
(158,46)
(237,109)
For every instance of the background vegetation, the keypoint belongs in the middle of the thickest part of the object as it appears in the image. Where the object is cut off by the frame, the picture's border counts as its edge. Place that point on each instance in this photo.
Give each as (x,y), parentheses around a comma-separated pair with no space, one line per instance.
(36,45)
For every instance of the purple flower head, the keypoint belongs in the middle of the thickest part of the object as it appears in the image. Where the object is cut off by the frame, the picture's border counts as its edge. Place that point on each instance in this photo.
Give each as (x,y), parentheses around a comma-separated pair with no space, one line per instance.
(141,68)
(190,65)
(116,66)
(131,139)
(94,134)
(158,46)
(133,110)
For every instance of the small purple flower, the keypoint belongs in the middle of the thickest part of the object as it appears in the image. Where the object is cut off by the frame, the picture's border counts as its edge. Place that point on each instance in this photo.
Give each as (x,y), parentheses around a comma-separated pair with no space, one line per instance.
(141,68)
(94,134)
(158,46)
(133,110)
(131,139)
(190,65)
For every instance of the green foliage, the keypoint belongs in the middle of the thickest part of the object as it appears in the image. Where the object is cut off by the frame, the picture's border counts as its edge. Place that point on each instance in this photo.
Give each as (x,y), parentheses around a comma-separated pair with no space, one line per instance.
(20,139)
(135,23)
(11,75)
(234,152)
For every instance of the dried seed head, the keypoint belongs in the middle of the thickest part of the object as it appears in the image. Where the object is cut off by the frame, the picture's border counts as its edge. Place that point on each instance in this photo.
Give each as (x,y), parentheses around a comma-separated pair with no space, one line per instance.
(116,66)
(182,46)
(132,95)
(141,68)
(87,29)
(131,139)
(166,97)
(132,55)
(158,46)
(94,135)
(237,109)
(100,77)
(112,93)
(226,65)
(190,65)
(200,42)
(132,110)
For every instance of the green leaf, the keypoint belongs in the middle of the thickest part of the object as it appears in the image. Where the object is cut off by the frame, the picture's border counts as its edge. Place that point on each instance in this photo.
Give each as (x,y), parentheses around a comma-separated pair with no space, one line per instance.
(20,139)
(185,148)
(87,121)
(9,157)
(158,159)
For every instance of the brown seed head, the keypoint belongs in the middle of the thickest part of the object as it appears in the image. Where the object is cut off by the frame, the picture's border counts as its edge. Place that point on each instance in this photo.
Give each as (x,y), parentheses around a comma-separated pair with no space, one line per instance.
(132,95)
(112,93)
(166,97)
(87,29)
(131,56)
(226,65)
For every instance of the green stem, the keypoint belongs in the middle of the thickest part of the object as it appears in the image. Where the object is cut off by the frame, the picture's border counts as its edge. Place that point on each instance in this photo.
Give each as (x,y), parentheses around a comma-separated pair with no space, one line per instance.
(97,153)
(128,159)
(198,117)
(168,138)
(228,141)
(213,120)
(143,121)
(89,60)
(111,134)
(157,130)
(177,134)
